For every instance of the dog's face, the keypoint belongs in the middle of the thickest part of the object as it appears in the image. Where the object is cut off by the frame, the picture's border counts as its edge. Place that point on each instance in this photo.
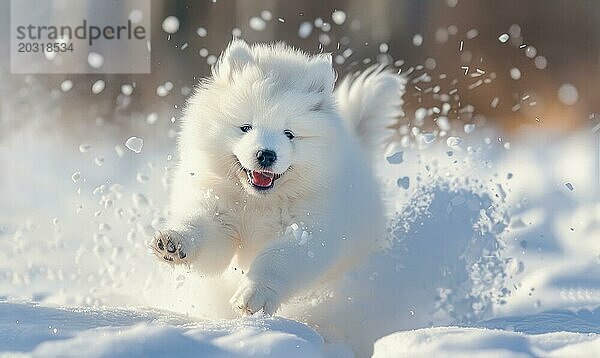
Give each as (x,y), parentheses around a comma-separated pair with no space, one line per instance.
(268,119)
(264,152)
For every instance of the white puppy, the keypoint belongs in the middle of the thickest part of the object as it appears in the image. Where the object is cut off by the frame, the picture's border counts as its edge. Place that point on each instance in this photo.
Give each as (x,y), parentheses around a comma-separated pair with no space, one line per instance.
(274,171)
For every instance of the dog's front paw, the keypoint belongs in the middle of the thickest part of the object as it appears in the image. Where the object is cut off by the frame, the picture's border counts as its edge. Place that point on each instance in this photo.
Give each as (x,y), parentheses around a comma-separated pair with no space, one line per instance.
(169,246)
(252,297)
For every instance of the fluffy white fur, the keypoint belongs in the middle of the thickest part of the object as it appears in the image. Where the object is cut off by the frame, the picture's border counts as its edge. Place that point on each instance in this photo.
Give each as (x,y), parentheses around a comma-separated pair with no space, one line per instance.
(323,213)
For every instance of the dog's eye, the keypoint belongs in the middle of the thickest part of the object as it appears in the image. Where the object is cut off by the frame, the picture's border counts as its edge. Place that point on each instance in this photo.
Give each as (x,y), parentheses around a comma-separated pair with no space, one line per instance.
(246,128)
(288,133)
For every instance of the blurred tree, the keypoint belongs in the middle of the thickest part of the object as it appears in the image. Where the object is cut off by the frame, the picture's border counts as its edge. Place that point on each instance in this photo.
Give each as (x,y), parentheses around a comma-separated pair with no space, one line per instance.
(551,42)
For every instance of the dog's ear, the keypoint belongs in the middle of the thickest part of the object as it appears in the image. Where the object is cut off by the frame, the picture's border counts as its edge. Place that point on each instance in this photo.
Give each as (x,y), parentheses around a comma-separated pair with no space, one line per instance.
(237,55)
(322,73)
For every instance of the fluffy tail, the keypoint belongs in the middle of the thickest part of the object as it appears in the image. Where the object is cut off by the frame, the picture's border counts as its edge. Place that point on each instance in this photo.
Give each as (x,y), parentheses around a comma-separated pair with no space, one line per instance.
(368,101)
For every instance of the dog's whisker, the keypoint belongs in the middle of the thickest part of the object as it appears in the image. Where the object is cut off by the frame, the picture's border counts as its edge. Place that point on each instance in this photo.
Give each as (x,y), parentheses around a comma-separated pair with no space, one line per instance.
(235,165)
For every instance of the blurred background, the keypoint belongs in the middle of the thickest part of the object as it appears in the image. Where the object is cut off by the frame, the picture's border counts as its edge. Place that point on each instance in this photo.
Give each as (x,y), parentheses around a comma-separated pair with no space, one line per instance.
(511,63)
(501,103)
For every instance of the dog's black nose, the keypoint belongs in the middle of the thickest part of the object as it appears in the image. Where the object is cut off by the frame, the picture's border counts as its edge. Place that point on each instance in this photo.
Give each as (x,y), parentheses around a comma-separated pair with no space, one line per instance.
(266,157)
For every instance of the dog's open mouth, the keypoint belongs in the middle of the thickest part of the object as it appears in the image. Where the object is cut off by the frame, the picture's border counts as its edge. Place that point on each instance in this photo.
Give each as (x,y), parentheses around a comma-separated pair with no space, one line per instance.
(261,180)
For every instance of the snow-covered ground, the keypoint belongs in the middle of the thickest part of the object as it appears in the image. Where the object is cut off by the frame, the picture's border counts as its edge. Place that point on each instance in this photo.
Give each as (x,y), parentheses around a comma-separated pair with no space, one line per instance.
(114,332)
(503,243)
(473,342)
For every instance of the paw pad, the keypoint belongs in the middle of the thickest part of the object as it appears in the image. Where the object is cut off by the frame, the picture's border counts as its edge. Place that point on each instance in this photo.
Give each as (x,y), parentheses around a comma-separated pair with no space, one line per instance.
(167,246)
(171,246)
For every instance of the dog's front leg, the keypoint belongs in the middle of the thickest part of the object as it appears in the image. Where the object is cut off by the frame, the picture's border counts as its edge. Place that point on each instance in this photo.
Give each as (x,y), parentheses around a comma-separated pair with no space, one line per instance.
(285,267)
(200,242)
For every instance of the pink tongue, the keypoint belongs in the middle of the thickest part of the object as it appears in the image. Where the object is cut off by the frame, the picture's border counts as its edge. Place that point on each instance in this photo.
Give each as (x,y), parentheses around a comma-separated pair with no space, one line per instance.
(261,179)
